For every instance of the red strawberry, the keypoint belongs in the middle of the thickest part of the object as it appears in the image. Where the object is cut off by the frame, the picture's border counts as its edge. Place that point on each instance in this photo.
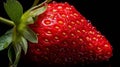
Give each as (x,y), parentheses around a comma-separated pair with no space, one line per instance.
(66,37)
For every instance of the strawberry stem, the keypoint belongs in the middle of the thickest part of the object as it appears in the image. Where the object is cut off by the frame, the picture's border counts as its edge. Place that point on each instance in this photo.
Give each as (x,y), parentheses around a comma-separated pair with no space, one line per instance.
(6,21)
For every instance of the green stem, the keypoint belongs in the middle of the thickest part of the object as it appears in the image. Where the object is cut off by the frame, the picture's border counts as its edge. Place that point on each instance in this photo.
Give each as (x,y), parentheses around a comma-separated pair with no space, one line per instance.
(6,21)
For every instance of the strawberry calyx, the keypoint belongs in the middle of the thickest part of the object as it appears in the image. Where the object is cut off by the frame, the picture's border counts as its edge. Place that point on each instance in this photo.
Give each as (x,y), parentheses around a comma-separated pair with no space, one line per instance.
(15,39)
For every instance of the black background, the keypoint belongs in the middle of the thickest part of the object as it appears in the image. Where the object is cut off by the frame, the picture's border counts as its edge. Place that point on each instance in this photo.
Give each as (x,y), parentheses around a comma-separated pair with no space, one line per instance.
(103,14)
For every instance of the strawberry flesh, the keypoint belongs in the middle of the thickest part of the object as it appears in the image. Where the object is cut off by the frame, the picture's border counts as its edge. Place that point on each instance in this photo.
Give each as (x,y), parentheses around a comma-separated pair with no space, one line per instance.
(66,37)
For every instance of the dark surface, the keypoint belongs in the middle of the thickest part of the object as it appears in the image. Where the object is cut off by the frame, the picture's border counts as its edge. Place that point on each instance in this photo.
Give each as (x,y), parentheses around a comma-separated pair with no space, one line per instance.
(102,14)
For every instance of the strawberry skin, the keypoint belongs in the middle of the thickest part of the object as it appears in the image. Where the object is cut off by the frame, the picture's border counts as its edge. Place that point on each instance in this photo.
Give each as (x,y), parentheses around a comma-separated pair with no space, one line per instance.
(66,37)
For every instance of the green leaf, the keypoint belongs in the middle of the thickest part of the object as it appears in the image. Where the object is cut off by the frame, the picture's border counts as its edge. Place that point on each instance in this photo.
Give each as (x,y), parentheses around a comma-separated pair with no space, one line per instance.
(24,44)
(14,10)
(30,20)
(29,16)
(17,49)
(35,13)
(38,11)
(6,40)
(14,53)
(30,35)
(11,55)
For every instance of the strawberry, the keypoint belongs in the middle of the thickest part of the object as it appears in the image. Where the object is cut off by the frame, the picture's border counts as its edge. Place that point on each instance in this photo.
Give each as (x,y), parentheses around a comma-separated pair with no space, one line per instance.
(54,33)
(65,36)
